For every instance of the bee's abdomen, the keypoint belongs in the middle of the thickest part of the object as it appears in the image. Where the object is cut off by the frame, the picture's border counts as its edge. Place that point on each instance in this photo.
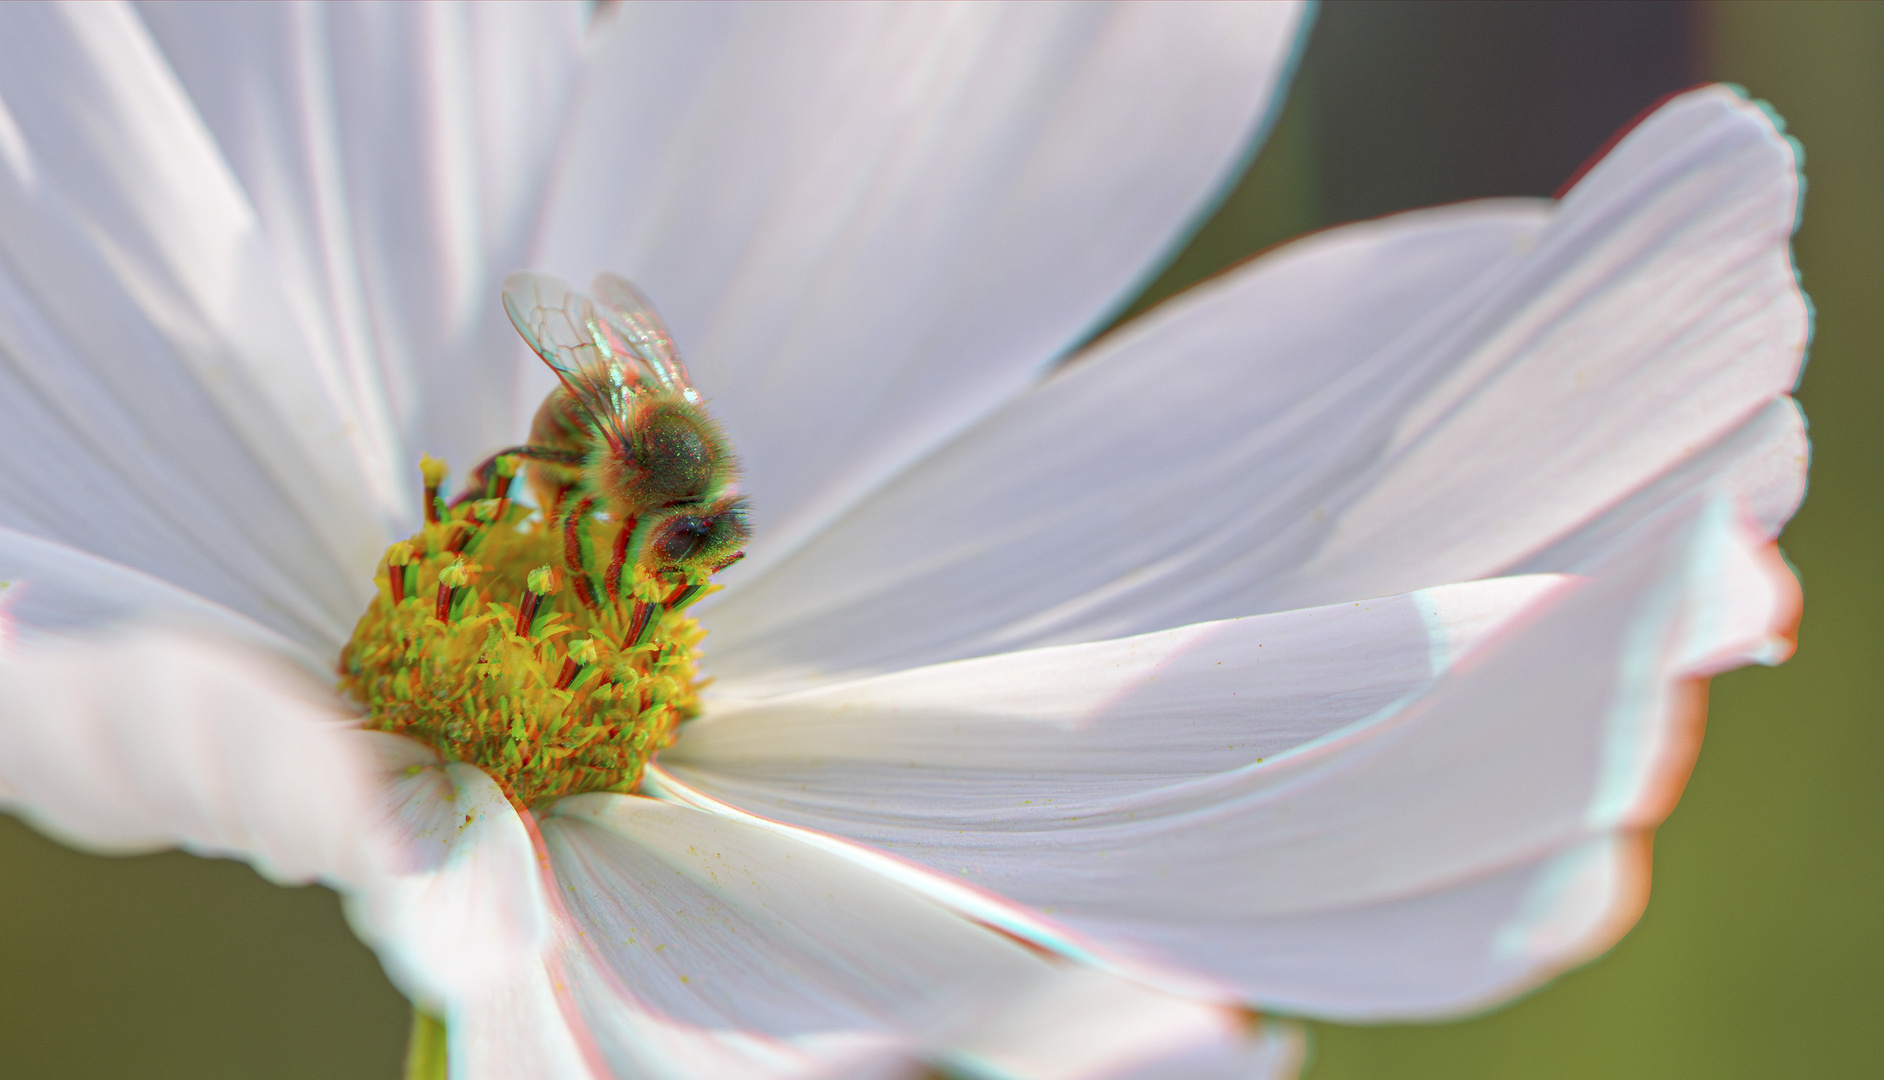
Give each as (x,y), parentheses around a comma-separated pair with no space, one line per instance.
(558,426)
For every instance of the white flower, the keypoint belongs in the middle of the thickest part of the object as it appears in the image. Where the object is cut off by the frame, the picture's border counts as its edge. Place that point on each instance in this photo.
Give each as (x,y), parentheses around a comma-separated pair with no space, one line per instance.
(1332,634)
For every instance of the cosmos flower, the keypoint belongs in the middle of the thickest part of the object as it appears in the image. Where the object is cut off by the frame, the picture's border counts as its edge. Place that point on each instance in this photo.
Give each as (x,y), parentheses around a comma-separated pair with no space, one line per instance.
(1327,640)
(259,250)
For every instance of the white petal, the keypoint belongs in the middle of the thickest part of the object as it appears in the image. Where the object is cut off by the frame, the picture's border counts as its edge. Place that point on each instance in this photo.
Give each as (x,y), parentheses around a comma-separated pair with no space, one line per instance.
(1458,948)
(519,1028)
(48,589)
(522,1024)
(1068,515)
(1760,464)
(1272,1050)
(461,910)
(397,158)
(147,740)
(190,355)
(1561,727)
(869,224)
(1082,1025)
(462,918)
(1258,445)
(1659,313)
(1171,705)
(702,945)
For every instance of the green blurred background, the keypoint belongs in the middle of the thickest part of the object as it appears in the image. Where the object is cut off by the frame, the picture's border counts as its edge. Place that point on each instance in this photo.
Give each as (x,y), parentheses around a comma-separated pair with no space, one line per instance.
(1762,950)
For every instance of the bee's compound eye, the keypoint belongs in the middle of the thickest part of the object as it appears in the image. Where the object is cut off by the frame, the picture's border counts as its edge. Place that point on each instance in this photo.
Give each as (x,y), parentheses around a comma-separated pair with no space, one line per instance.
(682,539)
(690,538)
(679,454)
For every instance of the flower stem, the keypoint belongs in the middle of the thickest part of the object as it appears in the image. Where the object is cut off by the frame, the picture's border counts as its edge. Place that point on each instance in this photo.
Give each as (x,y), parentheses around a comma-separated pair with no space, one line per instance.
(425,1051)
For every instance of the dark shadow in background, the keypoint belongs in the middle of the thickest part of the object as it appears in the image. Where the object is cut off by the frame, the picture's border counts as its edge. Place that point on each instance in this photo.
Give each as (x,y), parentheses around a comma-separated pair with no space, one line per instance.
(170,966)
(1417,104)
(1399,105)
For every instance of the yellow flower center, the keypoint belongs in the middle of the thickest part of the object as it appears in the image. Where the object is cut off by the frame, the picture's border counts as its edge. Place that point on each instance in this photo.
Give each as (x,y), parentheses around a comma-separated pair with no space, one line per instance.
(494,640)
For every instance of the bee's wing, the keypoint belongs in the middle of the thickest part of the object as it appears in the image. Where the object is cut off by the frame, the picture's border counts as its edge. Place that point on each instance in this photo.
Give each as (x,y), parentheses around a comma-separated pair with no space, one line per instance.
(628,313)
(571,335)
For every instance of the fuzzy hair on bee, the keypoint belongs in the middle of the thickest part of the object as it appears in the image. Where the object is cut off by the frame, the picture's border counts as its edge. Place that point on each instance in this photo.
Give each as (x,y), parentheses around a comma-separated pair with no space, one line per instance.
(625,431)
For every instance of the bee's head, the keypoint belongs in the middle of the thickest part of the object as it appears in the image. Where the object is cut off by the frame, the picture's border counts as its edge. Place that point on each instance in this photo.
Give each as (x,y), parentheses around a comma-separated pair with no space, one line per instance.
(695,536)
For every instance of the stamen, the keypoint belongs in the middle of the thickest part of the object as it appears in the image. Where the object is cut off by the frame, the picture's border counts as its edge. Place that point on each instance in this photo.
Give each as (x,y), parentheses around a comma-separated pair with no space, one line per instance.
(399,570)
(450,580)
(503,475)
(542,581)
(434,472)
(581,657)
(515,665)
(640,623)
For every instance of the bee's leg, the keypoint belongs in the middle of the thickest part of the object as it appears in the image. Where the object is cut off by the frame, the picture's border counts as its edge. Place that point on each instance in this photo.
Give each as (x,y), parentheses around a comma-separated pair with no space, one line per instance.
(643,616)
(487,479)
(577,555)
(611,582)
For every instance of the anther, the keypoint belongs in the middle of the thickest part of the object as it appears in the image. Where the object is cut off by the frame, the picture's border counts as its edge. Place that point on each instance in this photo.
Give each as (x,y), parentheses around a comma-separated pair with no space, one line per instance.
(542,581)
(434,471)
(450,580)
(399,570)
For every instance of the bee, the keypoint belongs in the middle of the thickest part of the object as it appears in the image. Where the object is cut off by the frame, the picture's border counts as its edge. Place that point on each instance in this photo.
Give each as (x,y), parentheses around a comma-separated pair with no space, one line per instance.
(625,431)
